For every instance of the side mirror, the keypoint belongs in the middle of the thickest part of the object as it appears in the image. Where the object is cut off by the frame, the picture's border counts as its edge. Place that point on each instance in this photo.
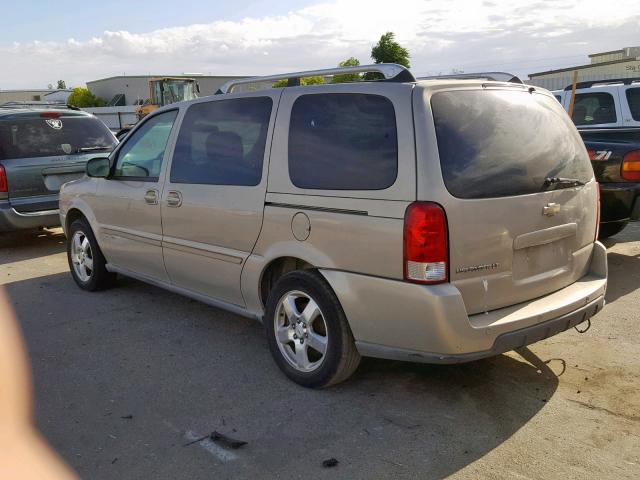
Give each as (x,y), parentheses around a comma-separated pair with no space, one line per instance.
(98,167)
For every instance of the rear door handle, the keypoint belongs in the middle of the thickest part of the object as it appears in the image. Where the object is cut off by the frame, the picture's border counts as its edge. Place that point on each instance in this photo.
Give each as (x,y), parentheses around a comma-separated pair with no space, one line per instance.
(151,197)
(174,199)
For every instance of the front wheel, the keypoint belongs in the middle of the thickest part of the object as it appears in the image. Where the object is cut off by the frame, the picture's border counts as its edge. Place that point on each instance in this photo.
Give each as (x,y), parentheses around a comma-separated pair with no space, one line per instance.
(86,262)
(307,331)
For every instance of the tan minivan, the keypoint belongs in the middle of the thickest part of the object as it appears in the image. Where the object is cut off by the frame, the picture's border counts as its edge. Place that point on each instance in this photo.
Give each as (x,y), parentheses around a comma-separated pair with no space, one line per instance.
(435,221)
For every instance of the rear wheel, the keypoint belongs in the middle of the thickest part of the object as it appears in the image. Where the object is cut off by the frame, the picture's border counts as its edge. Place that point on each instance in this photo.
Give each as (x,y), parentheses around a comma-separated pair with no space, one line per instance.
(610,229)
(307,331)
(86,262)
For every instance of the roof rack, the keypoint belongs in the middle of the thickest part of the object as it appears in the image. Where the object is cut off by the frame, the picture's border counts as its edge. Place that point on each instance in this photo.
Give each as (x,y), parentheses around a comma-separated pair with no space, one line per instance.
(18,104)
(492,76)
(610,81)
(392,72)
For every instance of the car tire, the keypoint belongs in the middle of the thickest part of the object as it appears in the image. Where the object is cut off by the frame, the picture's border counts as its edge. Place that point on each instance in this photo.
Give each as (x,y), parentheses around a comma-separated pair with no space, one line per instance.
(86,262)
(610,229)
(303,318)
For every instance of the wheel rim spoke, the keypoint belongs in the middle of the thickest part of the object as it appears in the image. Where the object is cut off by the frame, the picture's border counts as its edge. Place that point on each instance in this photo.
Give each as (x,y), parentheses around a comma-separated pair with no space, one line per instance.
(301,355)
(88,263)
(290,308)
(285,334)
(77,243)
(317,342)
(310,312)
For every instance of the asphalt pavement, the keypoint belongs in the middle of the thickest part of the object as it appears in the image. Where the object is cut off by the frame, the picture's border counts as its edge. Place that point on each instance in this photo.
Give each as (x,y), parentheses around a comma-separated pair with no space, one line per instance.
(126,378)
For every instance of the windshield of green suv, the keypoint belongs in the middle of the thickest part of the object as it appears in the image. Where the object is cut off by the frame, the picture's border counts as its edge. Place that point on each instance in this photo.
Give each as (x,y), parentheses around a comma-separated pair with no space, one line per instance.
(497,143)
(24,137)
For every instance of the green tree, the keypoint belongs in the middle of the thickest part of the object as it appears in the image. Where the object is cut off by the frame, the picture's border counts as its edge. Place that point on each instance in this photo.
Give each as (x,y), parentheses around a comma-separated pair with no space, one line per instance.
(347,77)
(303,81)
(387,50)
(81,97)
(61,85)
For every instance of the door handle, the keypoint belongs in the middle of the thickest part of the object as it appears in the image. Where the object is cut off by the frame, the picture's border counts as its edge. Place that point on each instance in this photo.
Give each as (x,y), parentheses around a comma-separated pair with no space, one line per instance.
(174,199)
(151,197)
(551,209)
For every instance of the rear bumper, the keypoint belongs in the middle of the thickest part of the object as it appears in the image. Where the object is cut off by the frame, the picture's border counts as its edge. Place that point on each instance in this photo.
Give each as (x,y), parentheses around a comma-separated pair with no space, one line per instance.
(403,321)
(11,220)
(619,202)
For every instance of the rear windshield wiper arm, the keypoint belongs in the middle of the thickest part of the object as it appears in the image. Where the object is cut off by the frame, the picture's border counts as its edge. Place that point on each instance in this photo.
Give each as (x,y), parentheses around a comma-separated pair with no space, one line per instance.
(562,182)
(92,149)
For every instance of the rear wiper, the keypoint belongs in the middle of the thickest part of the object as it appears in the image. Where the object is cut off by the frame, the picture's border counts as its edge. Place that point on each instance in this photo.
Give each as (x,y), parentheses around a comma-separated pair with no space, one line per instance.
(92,149)
(562,182)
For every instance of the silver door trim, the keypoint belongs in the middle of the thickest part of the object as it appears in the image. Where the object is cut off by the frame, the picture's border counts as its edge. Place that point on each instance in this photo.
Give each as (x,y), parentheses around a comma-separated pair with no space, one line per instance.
(40,213)
(202,249)
(136,235)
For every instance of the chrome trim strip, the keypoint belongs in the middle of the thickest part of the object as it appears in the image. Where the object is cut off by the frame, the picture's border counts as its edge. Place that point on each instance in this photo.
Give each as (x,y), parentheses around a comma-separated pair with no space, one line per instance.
(135,235)
(197,248)
(237,309)
(318,209)
(41,213)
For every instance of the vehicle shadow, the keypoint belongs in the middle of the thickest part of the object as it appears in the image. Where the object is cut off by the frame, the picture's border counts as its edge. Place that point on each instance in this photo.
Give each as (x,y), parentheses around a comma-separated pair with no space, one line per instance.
(631,233)
(24,245)
(624,275)
(168,360)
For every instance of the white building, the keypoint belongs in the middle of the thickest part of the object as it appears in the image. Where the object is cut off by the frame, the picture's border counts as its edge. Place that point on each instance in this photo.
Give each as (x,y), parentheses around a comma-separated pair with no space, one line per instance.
(623,63)
(34,95)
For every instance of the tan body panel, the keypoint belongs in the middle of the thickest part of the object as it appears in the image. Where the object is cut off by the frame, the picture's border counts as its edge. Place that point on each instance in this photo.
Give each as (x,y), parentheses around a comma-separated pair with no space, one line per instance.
(210,235)
(489,263)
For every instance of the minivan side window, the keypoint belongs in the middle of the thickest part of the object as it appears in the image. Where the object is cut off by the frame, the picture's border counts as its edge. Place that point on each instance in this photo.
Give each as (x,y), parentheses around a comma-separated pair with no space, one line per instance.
(633,97)
(141,155)
(594,108)
(222,142)
(343,141)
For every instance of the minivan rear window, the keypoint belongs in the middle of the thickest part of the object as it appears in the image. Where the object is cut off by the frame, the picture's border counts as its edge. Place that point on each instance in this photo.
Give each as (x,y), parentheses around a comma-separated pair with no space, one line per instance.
(498,143)
(48,136)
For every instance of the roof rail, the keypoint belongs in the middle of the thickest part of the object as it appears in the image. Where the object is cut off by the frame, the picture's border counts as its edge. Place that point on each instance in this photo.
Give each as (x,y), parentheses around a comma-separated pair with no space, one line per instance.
(392,72)
(35,104)
(609,81)
(492,76)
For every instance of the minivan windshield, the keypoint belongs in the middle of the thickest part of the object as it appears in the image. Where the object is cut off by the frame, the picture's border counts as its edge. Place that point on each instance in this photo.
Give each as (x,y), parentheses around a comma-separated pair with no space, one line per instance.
(497,143)
(24,137)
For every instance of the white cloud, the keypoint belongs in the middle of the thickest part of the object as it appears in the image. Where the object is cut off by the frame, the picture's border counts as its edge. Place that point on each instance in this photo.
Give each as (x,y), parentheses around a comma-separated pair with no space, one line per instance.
(517,35)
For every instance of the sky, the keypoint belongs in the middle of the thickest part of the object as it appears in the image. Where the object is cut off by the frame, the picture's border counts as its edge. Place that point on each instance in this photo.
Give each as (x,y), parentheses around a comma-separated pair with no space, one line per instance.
(41,43)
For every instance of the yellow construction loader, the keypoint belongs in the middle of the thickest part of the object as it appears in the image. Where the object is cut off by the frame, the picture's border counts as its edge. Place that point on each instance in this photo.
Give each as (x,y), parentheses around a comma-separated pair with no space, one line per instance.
(166,90)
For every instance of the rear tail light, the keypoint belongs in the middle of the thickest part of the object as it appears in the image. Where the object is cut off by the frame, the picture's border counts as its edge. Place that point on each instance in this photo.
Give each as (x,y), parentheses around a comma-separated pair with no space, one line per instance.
(597,212)
(50,115)
(426,248)
(4,186)
(631,166)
